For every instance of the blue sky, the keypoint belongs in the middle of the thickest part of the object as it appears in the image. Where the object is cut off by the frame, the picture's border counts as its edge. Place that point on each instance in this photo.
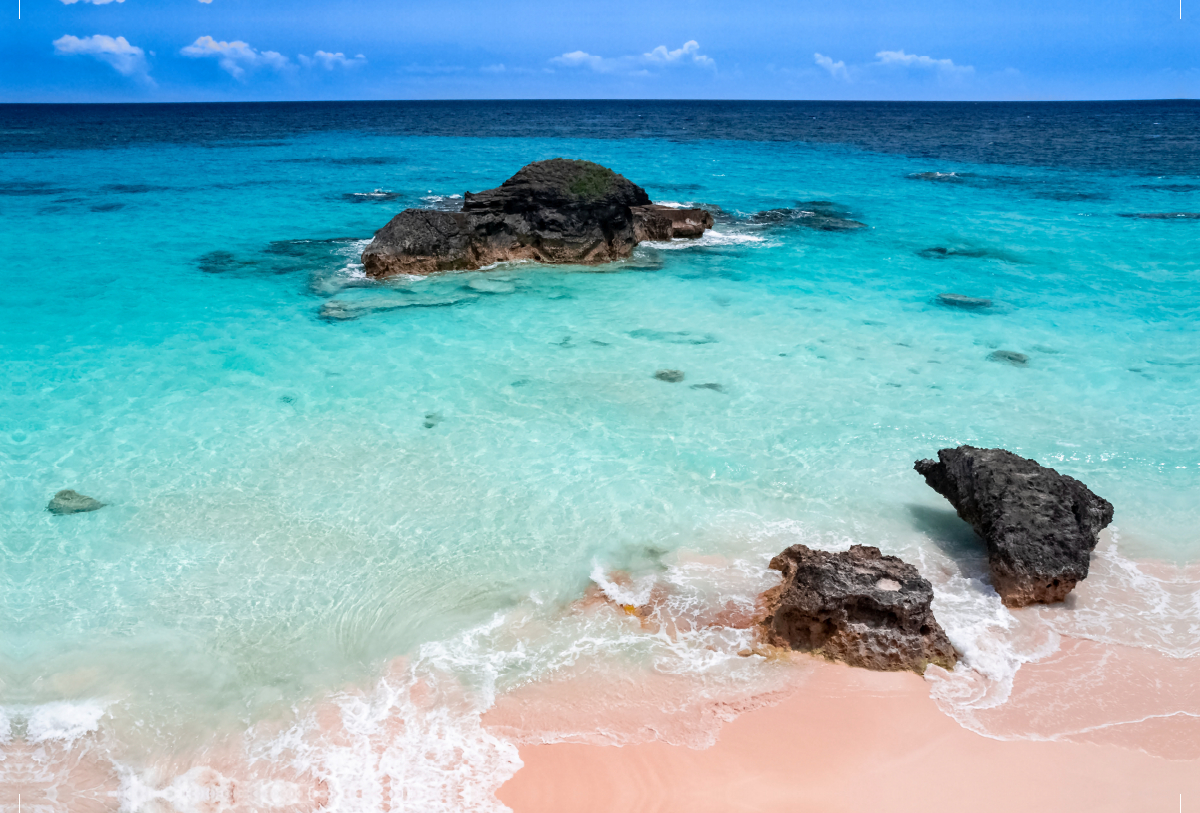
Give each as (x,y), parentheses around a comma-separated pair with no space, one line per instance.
(182,50)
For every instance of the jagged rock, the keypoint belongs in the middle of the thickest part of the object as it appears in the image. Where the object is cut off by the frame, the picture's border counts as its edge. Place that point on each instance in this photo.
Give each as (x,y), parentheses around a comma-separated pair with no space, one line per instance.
(670,376)
(1009,357)
(1040,526)
(965,302)
(556,211)
(72,502)
(656,222)
(859,606)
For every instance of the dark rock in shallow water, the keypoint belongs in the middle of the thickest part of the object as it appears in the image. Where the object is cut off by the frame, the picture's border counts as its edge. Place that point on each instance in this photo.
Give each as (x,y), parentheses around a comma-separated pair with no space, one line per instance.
(1009,357)
(966,302)
(656,222)
(860,607)
(670,376)
(1040,526)
(556,211)
(72,502)
(709,386)
(432,419)
(1164,215)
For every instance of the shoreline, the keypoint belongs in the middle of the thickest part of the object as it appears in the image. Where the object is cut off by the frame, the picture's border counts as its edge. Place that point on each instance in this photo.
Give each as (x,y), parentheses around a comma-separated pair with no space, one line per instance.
(848,740)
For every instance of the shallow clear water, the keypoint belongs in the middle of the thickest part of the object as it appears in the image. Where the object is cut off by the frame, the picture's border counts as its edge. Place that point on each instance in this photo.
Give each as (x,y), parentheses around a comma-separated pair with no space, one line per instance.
(294,502)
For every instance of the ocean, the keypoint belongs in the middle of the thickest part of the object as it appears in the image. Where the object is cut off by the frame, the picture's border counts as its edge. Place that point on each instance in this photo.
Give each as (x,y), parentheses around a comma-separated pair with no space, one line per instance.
(330,546)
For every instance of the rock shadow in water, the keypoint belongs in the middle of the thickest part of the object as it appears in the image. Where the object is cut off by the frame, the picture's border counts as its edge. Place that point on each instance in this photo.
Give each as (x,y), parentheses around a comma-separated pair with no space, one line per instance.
(1035,187)
(673,336)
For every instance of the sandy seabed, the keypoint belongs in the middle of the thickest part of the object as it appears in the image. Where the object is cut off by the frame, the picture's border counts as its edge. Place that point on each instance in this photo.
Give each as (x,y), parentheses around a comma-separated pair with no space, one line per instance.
(850,740)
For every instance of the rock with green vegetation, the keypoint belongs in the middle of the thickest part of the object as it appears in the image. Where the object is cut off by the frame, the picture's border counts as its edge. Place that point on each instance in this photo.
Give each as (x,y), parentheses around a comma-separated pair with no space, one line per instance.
(72,502)
(556,211)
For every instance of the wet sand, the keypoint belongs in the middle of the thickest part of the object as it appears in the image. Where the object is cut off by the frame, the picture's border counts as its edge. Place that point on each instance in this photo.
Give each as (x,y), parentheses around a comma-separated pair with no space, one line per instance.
(850,740)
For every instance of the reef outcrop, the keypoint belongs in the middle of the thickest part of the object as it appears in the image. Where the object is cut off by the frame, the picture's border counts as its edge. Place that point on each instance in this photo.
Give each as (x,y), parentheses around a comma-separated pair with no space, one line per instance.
(1040,526)
(556,211)
(858,606)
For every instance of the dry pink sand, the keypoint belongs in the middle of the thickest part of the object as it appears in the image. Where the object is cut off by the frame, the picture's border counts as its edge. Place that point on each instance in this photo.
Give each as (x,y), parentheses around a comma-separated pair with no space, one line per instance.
(850,740)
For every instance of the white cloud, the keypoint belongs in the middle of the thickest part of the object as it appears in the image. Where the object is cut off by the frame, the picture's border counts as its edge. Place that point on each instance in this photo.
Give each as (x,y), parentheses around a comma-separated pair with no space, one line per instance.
(901,59)
(836,69)
(577,59)
(328,61)
(943,69)
(202,1)
(126,59)
(235,57)
(94,2)
(688,54)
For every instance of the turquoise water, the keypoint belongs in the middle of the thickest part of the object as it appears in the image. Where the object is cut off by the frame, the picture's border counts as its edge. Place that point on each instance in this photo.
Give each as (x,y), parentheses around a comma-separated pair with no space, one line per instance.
(293,502)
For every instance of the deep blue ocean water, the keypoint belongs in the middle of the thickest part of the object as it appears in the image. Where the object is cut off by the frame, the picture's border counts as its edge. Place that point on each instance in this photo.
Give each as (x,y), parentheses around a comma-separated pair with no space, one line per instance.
(294,502)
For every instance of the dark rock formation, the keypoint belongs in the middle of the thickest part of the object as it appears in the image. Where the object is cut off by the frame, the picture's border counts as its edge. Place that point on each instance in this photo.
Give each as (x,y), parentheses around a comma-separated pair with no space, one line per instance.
(1009,357)
(1040,526)
(670,376)
(859,606)
(556,211)
(72,502)
(656,222)
(965,302)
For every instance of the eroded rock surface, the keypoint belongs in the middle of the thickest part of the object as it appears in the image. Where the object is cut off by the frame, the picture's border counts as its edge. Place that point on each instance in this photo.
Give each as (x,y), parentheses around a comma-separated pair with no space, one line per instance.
(1040,526)
(859,606)
(556,211)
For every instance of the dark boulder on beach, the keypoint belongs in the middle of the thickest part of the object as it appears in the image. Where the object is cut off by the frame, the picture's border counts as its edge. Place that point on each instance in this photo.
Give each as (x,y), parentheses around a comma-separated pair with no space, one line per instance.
(72,502)
(556,211)
(859,606)
(1040,526)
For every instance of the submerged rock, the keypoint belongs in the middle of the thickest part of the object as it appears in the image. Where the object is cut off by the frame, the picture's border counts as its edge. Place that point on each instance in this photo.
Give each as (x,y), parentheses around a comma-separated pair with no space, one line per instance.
(1040,526)
(859,606)
(556,211)
(670,376)
(822,215)
(966,302)
(709,386)
(1009,357)
(72,502)
(943,253)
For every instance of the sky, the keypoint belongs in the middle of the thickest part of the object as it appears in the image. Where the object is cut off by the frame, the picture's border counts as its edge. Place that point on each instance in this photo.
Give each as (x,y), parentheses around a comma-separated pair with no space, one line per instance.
(244,50)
